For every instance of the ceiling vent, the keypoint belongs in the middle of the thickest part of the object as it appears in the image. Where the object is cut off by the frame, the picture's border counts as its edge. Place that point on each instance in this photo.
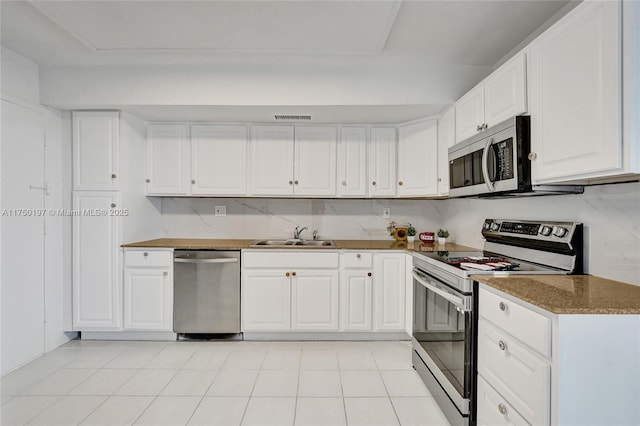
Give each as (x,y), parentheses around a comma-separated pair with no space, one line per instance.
(292,117)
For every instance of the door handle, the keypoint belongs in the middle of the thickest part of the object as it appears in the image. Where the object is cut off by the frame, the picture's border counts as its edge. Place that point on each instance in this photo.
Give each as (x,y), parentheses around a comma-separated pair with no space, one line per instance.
(221,260)
(485,164)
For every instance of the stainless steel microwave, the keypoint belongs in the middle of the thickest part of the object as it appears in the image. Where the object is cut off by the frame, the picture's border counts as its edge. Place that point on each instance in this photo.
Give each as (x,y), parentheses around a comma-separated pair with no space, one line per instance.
(495,163)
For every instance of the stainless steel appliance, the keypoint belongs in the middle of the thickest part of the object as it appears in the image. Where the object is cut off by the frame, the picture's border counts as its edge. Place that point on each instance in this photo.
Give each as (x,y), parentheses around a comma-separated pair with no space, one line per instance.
(206,297)
(497,162)
(445,301)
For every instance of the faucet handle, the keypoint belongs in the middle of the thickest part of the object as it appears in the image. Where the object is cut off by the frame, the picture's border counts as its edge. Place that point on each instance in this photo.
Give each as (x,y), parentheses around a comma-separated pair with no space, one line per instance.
(315,234)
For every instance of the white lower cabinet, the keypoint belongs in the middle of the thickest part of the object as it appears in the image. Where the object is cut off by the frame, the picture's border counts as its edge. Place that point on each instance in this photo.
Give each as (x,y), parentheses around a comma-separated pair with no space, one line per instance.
(356,291)
(389,273)
(266,300)
(314,300)
(148,290)
(493,409)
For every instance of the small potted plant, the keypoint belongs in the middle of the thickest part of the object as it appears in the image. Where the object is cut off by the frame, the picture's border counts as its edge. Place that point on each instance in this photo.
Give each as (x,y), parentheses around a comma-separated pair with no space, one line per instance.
(443,234)
(411,233)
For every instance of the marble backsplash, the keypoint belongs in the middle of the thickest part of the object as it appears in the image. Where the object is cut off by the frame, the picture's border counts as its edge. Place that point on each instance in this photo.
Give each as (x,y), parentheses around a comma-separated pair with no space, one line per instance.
(610,213)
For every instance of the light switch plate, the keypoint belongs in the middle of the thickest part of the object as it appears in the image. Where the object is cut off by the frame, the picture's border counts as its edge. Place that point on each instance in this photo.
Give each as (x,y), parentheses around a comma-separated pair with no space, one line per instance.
(386,212)
(220,211)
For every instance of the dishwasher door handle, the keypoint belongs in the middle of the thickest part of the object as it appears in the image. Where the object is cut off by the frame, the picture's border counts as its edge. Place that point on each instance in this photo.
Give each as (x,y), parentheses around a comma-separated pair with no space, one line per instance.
(221,260)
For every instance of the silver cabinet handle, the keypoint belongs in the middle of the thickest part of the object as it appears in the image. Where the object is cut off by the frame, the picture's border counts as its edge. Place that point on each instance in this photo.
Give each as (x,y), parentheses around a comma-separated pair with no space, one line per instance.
(148,180)
(373,183)
(502,345)
(502,409)
(290,182)
(296,182)
(344,183)
(358,255)
(145,254)
(193,181)
(502,306)
(221,260)
(165,273)
(113,176)
(478,128)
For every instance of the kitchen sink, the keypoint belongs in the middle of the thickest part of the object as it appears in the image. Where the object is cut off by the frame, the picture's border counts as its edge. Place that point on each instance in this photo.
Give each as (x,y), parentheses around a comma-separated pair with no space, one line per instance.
(292,243)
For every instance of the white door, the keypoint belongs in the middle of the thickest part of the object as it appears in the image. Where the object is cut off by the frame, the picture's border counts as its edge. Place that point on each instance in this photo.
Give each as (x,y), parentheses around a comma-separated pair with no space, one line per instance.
(356,300)
(470,113)
(148,300)
(23,283)
(219,160)
(271,160)
(168,159)
(574,100)
(315,161)
(352,162)
(505,92)
(266,300)
(418,160)
(446,139)
(97,277)
(314,300)
(95,150)
(389,289)
(382,162)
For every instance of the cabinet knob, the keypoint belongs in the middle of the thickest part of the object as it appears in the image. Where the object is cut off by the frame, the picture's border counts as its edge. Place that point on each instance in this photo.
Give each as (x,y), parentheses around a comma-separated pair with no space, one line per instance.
(358,255)
(485,126)
(439,179)
(502,306)
(113,205)
(193,181)
(287,274)
(502,345)
(373,183)
(369,274)
(113,176)
(293,273)
(478,127)
(295,182)
(165,273)
(148,180)
(532,156)
(290,182)
(145,254)
(502,409)
(344,183)
(400,183)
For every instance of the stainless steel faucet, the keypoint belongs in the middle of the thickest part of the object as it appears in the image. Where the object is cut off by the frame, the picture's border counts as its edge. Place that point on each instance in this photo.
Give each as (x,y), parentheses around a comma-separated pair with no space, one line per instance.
(315,234)
(297,232)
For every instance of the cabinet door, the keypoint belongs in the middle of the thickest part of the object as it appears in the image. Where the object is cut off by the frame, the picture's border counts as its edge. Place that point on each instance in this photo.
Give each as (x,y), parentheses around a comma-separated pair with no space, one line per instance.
(148,299)
(355,300)
(446,139)
(266,300)
(352,162)
(168,160)
(470,113)
(97,285)
(314,300)
(272,160)
(95,150)
(382,162)
(575,95)
(315,161)
(218,160)
(505,93)
(389,289)
(418,160)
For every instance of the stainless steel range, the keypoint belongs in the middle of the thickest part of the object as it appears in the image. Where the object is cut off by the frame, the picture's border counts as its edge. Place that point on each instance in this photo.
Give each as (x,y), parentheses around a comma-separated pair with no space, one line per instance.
(445,302)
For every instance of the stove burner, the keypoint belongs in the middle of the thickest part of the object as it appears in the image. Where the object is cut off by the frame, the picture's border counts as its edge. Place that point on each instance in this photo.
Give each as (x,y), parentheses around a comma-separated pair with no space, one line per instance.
(483,263)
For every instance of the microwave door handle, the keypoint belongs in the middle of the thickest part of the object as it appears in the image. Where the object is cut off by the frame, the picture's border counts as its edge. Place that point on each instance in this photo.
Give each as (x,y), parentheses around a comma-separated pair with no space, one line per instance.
(456,300)
(485,164)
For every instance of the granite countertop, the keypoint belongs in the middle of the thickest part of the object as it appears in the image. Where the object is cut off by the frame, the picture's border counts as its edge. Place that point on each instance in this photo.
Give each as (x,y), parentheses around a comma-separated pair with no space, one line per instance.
(569,294)
(237,244)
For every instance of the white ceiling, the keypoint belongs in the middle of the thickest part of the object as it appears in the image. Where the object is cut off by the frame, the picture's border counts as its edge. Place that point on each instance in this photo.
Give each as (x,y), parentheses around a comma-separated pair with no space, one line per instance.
(337,37)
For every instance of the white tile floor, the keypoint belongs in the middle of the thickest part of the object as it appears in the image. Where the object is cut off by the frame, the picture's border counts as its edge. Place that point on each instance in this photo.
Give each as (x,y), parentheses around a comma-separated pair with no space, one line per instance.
(220,383)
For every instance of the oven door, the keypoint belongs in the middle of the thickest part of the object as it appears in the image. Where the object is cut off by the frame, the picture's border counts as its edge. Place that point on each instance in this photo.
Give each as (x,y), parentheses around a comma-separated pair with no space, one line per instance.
(443,336)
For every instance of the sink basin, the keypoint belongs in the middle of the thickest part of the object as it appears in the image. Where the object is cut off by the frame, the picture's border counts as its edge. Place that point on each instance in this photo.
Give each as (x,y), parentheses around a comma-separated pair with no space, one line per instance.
(292,243)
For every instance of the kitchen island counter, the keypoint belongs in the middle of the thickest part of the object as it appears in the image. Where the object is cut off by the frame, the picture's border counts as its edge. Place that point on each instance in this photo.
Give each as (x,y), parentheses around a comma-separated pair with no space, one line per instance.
(568,294)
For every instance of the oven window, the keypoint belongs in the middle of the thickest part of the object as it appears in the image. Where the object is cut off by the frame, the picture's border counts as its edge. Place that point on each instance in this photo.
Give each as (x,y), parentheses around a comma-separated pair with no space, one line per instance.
(445,335)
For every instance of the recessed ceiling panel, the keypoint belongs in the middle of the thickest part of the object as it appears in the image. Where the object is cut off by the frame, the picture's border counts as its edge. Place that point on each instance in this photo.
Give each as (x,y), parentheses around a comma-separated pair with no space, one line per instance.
(296,26)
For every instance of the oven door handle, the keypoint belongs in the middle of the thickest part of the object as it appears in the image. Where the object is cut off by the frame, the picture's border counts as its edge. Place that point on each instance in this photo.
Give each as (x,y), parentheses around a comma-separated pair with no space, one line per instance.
(458,301)
(485,164)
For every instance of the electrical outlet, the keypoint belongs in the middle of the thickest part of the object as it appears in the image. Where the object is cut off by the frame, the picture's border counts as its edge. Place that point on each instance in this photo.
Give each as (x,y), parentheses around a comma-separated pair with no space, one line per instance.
(386,212)
(220,211)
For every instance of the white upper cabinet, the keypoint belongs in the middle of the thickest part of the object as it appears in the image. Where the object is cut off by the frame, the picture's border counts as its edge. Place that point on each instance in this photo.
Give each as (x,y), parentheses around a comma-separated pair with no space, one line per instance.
(352,162)
(382,162)
(168,159)
(315,161)
(218,160)
(272,160)
(446,139)
(575,95)
(500,96)
(96,136)
(418,159)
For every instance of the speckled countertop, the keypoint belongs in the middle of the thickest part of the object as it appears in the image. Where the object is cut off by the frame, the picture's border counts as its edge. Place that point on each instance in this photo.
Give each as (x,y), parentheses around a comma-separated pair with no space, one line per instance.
(237,244)
(569,294)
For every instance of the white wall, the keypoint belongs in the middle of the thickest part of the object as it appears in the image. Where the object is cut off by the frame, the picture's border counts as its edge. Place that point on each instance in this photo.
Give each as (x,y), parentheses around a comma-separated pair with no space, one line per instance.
(20,78)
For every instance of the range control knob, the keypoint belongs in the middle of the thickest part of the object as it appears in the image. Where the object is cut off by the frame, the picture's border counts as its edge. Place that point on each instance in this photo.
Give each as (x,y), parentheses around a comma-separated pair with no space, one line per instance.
(545,230)
(559,231)
(495,226)
(486,225)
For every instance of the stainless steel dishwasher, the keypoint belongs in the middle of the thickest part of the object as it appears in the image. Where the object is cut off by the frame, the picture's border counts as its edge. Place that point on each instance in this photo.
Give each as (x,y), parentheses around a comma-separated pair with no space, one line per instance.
(206,297)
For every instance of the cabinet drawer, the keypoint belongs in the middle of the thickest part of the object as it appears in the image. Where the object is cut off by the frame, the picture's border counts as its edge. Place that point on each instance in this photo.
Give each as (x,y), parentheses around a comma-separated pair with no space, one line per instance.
(493,409)
(515,371)
(148,258)
(530,327)
(357,260)
(304,259)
